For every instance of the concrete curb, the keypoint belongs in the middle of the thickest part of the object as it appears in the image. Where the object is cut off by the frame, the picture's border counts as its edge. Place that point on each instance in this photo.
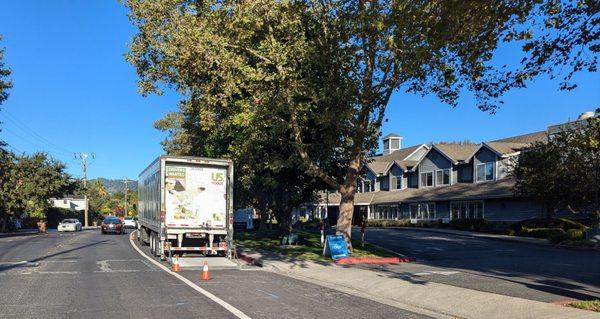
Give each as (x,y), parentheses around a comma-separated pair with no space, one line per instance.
(25,233)
(368,260)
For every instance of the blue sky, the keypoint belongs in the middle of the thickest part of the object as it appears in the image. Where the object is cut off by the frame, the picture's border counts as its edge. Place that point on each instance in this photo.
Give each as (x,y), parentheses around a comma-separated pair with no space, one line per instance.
(74,92)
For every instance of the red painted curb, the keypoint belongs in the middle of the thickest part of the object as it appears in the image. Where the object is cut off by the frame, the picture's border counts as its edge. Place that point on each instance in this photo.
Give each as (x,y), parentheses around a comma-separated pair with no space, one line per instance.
(247,259)
(368,260)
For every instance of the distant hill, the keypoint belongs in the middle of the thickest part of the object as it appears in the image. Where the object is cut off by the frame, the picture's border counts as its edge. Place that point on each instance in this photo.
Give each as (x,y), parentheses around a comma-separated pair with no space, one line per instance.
(117,185)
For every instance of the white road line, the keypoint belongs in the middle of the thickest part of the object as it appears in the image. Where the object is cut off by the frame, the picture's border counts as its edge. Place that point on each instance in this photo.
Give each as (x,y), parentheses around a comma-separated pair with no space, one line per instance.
(236,312)
(268,294)
(58,272)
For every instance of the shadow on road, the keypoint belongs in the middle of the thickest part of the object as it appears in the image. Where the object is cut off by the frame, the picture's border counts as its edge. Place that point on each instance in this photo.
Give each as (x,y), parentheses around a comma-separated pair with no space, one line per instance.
(29,262)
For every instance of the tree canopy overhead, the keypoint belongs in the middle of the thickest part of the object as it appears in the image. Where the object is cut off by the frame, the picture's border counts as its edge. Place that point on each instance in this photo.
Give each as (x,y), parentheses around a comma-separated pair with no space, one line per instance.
(331,66)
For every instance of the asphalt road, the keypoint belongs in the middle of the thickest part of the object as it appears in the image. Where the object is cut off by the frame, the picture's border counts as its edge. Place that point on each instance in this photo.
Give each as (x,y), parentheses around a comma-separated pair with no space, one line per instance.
(89,275)
(547,274)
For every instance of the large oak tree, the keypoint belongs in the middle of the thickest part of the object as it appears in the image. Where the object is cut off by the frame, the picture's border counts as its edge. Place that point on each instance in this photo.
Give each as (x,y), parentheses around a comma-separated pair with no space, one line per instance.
(335,64)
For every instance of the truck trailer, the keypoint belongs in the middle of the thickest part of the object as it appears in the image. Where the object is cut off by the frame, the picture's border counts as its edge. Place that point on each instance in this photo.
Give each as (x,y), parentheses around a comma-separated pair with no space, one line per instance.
(185,205)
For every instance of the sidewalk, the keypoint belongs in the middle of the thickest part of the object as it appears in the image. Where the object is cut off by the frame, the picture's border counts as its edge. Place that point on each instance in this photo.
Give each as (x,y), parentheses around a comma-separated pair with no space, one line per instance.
(429,298)
(21,232)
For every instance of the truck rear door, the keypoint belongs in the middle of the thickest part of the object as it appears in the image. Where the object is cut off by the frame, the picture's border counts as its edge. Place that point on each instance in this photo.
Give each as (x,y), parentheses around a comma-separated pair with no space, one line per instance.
(195,196)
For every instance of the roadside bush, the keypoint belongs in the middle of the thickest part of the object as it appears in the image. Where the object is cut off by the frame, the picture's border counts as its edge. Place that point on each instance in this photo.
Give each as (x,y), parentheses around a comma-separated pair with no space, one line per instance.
(558,238)
(562,223)
(388,223)
(575,234)
(469,224)
(542,232)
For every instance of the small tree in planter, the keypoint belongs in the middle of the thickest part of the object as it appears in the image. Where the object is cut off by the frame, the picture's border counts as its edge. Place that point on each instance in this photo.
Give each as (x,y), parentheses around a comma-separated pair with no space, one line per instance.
(37,209)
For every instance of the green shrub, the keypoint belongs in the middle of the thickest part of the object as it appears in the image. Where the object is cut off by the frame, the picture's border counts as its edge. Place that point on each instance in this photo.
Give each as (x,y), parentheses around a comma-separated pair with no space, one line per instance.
(388,223)
(575,234)
(558,238)
(562,223)
(542,232)
(469,224)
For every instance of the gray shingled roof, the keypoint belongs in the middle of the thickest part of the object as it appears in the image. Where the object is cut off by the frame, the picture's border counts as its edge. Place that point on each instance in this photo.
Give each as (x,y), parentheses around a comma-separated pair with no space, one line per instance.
(398,155)
(391,135)
(461,191)
(379,168)
(505,148)
(530,138)
(457,152)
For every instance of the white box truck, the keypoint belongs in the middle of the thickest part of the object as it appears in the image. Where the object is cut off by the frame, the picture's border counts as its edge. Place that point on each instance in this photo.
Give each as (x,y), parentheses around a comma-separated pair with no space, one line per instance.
(186,205)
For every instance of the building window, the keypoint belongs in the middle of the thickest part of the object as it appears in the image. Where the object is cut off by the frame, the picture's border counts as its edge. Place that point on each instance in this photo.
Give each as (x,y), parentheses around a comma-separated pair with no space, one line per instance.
(389,212)
(427,179)
(396,182)
(359,186)
(467,210)
(422,211)
(367,186)
(485,172)
(442,177)
(372,185)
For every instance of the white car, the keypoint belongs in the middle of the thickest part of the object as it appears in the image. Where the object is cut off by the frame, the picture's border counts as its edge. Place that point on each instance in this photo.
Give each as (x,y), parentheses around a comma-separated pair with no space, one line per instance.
(69,225)
(130,222)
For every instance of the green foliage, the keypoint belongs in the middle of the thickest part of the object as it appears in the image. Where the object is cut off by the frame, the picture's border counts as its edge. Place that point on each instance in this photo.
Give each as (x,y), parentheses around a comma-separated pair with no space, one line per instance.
(5,84)
(593,305)
(561,223)
(565,171)
(283,83)
(29,181)
(469,224)
(575,234)
(388,223)
(542,232)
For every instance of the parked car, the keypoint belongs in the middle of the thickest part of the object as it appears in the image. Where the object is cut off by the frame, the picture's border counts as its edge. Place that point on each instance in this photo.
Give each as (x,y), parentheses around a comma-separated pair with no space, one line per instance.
(130,222)
(69,225)
(112,224)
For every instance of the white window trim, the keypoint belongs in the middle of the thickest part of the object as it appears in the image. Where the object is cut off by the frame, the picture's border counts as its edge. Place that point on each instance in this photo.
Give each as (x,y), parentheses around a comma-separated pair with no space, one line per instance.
(468,202)
(432,179)
(419,210)
(449,177)
(494,163)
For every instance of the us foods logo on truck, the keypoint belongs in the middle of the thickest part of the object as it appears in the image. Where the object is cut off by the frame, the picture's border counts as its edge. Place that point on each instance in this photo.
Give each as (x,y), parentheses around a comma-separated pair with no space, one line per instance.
(217,178)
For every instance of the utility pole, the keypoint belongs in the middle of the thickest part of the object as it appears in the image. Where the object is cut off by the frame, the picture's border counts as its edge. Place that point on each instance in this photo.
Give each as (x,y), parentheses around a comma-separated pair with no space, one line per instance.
(126,190)
(84,157)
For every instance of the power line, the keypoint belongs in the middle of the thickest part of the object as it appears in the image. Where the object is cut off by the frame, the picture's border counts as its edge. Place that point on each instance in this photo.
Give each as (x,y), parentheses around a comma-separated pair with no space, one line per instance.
(33,143)
(25,128)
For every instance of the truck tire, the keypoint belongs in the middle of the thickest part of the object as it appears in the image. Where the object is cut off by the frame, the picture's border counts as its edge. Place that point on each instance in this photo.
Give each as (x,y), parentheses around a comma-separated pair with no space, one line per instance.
(144,236)
(152,243)
(157,247)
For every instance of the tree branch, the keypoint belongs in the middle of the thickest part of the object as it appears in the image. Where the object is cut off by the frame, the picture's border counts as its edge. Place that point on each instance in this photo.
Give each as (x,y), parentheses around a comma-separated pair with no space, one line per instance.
(312,166)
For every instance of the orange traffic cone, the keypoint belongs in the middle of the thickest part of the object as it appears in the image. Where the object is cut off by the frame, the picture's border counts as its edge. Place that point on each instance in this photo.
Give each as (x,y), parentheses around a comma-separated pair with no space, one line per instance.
(175,265)
(205,272)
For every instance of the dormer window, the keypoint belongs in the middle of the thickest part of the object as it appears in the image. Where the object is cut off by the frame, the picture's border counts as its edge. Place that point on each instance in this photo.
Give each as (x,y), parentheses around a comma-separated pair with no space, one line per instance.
(442,177)
(485,172)
(426,179)
(396,182)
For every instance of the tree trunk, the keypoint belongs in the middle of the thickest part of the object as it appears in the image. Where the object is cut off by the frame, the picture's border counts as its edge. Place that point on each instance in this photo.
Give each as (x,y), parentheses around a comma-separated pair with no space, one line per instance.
(284,218)
(344,222)
(264,217)
(549,211)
